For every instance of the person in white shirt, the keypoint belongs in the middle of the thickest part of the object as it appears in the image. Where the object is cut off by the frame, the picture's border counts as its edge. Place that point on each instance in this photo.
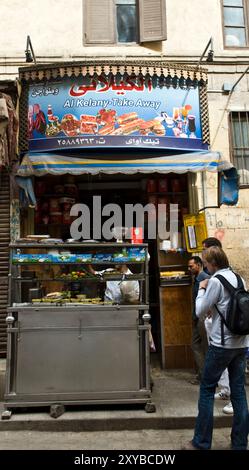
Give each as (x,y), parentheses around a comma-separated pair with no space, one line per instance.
(122,290)
(223,384)
(231,355)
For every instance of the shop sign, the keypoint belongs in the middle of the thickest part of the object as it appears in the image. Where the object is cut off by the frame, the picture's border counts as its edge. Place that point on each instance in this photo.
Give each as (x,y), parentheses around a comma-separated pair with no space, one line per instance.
(195,230)
(79,112)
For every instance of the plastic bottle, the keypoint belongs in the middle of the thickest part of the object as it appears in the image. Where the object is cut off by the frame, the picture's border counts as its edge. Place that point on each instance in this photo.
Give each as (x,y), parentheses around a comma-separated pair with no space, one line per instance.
(50,113)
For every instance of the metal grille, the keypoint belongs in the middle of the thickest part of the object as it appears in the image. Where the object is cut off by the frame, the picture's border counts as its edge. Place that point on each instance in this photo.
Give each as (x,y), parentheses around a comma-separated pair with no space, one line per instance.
(240,144)
(91,67)
(23,119)
(4,255)
(204,114)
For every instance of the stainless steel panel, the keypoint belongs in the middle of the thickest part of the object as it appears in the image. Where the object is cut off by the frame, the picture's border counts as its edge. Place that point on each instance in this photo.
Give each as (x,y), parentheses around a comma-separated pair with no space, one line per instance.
(64,361)
(70,317)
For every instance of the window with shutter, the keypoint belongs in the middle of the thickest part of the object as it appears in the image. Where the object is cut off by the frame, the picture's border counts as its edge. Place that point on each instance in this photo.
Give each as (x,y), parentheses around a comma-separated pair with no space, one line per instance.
(99,22)
(4,255)
(152,20)
(124,21)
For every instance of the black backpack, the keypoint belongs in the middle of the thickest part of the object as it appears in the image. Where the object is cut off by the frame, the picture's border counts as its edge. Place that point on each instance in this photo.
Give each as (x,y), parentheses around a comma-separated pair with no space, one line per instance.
(237,317)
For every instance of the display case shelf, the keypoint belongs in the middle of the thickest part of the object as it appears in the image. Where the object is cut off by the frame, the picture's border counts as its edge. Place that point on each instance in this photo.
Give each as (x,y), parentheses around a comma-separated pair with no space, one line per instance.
(95,245)
(102,263)
(86,278)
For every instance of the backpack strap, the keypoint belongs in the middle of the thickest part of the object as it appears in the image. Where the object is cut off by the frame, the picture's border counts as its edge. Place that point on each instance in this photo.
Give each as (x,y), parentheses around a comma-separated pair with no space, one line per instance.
(226,283)
(231,290)
(240,283)
(222,323)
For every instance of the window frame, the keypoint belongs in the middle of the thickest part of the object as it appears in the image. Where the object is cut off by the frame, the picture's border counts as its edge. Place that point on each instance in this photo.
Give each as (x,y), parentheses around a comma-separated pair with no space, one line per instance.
(117,42)
(246,19)
(231,142)
(150,29)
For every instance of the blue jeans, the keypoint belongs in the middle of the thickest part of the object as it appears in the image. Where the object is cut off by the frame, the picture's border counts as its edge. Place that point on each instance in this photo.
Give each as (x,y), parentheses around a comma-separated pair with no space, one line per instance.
(217,360)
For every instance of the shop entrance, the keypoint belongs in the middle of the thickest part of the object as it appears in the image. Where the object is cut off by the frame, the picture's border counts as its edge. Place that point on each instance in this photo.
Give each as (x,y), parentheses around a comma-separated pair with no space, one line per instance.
(169,298)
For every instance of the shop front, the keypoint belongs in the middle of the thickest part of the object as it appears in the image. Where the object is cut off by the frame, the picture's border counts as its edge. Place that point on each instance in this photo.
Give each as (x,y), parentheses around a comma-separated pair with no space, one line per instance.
(129,182)
(106,137)
(8,156)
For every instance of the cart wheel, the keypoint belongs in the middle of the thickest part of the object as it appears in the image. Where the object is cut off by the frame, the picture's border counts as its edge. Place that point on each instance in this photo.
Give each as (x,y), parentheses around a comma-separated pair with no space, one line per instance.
(6,414)
(150,407)
(57,410)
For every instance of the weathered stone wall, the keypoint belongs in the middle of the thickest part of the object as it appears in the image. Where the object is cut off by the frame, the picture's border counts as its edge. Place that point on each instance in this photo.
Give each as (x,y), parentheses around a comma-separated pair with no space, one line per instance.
(56,31)
(231,226)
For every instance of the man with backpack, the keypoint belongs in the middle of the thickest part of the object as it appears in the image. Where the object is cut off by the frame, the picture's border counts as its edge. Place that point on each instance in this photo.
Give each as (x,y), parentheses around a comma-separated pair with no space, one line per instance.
(223,384)
(223,295)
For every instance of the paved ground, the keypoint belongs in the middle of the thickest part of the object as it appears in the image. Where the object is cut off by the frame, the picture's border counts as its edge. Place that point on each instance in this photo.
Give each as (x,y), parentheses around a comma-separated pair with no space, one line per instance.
(176,408)
(120,427)
(118,440)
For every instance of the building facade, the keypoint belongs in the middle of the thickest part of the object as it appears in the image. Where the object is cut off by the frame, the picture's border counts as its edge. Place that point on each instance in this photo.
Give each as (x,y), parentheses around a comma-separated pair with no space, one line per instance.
(154,31)
(80,29)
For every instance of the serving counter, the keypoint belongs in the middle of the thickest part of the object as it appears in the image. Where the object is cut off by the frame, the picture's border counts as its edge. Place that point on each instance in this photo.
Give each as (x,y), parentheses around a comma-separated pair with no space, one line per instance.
(72,354)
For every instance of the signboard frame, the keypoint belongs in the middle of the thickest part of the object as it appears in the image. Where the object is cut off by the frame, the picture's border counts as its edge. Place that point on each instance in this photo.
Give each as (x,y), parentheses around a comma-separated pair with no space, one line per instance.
(90,112)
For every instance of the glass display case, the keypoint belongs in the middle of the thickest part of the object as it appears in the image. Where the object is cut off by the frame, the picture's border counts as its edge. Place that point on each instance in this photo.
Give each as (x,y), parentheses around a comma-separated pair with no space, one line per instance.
(78,325)
(77,271)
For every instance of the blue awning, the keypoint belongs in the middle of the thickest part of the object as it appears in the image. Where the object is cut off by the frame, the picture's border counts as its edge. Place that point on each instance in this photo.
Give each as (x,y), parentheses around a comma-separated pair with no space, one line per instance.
(39,164)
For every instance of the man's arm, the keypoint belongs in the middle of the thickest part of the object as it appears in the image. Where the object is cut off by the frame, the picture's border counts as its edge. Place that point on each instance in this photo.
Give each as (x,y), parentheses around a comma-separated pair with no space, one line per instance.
(206,299)
(91,270)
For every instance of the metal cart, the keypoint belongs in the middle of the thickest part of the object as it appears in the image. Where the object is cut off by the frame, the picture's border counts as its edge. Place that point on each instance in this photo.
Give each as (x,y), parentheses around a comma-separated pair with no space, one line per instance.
(73,354)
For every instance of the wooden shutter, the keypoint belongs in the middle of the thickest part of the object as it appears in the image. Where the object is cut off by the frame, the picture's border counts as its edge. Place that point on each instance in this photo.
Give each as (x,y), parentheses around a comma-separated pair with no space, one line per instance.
(4,255)
(152,20)
(99,22)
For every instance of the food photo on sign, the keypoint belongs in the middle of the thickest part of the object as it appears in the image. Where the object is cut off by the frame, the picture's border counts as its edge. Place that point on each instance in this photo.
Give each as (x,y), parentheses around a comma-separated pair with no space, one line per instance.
(104,113)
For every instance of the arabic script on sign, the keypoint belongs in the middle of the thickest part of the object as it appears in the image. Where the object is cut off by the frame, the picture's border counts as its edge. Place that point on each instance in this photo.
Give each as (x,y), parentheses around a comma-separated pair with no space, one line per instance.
(103,84)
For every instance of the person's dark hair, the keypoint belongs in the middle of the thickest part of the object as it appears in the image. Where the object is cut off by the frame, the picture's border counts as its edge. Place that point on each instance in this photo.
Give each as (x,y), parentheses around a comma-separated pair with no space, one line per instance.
(197,260)
(216,256)
(212,241)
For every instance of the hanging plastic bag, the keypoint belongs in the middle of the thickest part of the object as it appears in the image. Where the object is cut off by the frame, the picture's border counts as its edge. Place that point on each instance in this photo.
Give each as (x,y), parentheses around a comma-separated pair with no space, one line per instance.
(151,341)
(130,292)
